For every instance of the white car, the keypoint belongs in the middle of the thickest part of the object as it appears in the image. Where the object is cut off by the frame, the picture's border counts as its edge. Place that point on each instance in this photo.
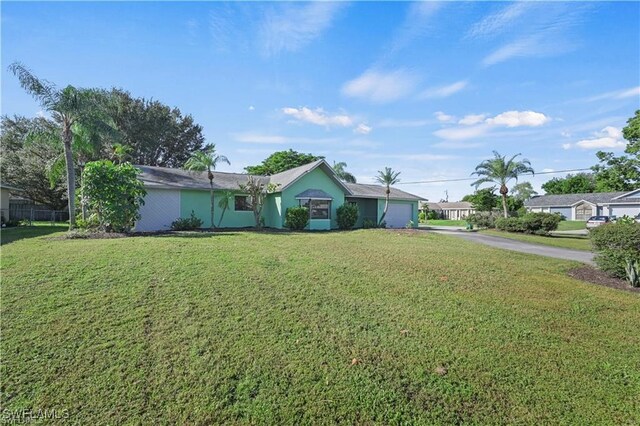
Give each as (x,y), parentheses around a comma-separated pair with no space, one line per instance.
(595,221)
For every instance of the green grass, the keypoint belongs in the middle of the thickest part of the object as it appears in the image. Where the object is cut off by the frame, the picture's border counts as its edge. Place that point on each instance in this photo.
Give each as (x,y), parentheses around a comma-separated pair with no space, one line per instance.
(446,222)
(262,328)
(575,242)
(572,225)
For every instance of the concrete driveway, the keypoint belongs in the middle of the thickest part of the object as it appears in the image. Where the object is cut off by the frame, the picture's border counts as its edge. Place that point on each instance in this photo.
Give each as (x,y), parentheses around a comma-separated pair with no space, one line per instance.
(520,246)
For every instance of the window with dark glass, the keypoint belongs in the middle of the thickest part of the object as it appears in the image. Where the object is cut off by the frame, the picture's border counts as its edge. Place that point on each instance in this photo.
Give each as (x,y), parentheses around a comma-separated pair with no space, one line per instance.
(318,209)
(242,203)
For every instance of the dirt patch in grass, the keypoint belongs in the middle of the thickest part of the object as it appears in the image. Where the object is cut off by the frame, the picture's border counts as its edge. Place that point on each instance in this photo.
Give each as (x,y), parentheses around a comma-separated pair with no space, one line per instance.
(596,276)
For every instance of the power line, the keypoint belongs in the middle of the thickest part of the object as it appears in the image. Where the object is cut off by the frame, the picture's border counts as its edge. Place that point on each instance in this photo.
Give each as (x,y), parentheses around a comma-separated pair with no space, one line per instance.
(471,178)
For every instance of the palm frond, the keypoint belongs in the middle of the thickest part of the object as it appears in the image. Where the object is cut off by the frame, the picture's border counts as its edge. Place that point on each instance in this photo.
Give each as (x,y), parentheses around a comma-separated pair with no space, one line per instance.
(45,92)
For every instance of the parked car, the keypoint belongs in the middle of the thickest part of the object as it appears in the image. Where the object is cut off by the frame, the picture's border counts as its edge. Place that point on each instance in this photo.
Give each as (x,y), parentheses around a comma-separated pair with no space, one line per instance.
(638,218)
(595,221)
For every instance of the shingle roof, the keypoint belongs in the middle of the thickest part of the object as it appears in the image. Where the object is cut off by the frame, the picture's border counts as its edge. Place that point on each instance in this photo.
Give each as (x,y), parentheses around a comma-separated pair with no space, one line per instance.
(562,200)
(317,194)
(377,191)
(289,176)
(166,177)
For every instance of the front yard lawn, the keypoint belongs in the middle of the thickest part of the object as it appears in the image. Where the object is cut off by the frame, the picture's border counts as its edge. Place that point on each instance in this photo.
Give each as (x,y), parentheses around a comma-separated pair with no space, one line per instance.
(362,327)
(575,242)
(572,225)
(446,222)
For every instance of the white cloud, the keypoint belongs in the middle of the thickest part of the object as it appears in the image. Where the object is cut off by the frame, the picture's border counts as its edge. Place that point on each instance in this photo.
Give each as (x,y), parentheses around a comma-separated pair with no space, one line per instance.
(461,133)
(609,137)
(290,26)
(519,118)
(318,117)
(269,139)
(415,25)
(617,94)
(392,122)
(252,108)
(362,129)
(471,119)
(565,134)
(444,118)
(522,47)
(381,87)
(495,23)
(444,91)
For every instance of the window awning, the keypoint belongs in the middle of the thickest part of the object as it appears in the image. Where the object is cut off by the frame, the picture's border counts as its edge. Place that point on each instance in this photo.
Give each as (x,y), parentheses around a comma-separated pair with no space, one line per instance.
(314,194)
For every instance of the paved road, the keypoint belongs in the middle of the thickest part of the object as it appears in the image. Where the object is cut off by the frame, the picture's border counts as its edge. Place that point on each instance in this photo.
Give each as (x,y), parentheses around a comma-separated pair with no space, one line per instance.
(507,244)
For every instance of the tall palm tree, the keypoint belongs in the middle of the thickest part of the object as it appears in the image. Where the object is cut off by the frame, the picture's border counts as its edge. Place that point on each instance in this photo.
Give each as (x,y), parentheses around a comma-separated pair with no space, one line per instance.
(206,161)
(339,169)
(499,170)
(225,201)
(387,178)
(69,107)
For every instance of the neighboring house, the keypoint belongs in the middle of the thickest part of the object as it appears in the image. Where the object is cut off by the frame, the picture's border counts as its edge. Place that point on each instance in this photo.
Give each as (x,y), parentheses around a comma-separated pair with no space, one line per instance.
(175,193)
(5,192)
(583,206)
(453,211)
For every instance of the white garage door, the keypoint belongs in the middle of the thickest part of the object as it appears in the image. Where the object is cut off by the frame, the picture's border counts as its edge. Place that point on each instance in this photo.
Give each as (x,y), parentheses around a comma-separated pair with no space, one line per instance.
(622,209)
(398,215)
(161,207)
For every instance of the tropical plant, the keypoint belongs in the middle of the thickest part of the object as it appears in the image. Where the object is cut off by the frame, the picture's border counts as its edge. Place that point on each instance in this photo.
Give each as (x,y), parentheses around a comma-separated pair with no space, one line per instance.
(113,193)
(615,244)
(387,178)
(257,192)
(280,161)
(206,161)
(347,215)
(226,198)
(501,171)
(69,106)
(297,218)
(632,268)
(339,169)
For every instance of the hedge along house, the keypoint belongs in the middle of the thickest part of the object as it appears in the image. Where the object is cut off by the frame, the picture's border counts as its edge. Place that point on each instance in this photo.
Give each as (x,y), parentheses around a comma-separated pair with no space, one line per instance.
(176,193)
(583,206)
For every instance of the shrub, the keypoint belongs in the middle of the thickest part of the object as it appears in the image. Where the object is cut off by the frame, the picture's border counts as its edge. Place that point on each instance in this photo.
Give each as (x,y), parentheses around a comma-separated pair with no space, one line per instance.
(187,223)
(616,244)
(422,217)
(632,268)
(510,224)
(347,216)
(483,219)
(530,223)
(368,223)
(296,218)
(432,215)
(91,223)
(113,193)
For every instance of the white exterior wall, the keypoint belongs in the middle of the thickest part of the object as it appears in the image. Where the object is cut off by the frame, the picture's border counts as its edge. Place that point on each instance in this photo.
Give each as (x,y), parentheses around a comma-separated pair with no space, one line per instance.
(620,210)
(161,207)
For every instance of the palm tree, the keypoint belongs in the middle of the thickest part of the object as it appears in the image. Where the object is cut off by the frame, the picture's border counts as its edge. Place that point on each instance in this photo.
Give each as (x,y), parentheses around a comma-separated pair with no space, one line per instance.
(224,202)
(69,107)
(206,161)
(339,169)
(499,170)
(387,178)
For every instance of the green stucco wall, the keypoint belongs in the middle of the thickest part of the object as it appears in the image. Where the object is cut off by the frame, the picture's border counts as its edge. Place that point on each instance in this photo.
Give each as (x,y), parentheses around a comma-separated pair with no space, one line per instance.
(316,179)
(199,202)
(367,209)
(271,211)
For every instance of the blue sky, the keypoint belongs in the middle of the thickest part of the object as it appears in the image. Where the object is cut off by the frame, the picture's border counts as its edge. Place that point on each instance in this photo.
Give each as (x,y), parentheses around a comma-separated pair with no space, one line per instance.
(429,89)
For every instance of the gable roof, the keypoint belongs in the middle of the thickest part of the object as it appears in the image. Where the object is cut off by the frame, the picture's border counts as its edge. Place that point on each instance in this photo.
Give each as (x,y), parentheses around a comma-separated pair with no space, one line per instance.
(288,177)
(362,190)
(164,177)
(316,194)
(566,200)
(631,194)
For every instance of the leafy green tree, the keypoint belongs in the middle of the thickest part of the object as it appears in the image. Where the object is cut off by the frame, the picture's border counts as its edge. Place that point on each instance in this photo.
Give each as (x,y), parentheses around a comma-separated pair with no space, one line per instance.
(69,106)
(281,161)
(483,200)
(339,169)
(523,191)
(631,132)
(621,173)
(26,159)
(156,134)
(579,183)
(501,171)
(113,193)
(206,161)
(387,178)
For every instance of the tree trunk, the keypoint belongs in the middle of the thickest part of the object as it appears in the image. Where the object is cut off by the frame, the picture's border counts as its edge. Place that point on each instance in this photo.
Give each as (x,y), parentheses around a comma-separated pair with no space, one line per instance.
(71,172)
(504,205)
(386,206)
(212,203)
